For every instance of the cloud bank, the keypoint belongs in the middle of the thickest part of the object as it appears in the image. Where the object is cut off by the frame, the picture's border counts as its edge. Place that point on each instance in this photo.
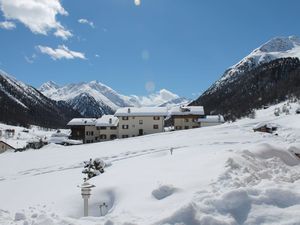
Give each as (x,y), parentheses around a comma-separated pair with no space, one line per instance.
(38,15)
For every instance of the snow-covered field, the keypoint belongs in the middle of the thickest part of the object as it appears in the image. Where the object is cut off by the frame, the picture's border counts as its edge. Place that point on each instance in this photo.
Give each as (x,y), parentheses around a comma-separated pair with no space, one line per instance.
(219,175)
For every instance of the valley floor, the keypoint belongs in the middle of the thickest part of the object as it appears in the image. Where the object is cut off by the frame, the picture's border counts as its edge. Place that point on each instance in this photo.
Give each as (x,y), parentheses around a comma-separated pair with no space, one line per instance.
(223,175)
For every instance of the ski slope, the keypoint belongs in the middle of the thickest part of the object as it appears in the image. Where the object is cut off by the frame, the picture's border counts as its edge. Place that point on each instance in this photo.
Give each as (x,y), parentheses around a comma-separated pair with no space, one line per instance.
(222,175)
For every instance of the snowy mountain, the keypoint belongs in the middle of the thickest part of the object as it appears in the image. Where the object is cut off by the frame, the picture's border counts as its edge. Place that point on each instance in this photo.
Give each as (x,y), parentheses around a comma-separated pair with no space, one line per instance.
(23,104)
(266,76)
(160,98)
(88,106)
(222,175)
(102,99)
(278,47)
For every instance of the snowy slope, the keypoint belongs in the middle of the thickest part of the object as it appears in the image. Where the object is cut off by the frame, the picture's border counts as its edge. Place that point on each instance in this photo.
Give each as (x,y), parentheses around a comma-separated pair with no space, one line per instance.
(107,99)
(223,175)
(278,47)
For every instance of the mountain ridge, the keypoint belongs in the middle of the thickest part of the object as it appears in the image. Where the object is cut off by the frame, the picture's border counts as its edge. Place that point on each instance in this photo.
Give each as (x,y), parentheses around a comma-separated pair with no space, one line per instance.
(269,74)
(103,98)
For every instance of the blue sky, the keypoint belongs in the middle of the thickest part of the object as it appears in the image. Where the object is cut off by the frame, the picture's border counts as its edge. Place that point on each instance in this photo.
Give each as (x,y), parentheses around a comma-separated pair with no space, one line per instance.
(180,45)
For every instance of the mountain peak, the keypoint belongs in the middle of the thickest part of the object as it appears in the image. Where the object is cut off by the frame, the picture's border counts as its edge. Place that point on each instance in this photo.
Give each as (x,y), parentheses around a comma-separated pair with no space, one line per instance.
(280,44)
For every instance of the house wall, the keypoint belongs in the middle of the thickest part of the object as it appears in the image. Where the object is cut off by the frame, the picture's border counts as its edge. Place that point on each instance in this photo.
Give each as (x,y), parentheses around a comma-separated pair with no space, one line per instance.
(4,147)
(77,132)
(91,134)
(108,133)
(186,122)
(134,126)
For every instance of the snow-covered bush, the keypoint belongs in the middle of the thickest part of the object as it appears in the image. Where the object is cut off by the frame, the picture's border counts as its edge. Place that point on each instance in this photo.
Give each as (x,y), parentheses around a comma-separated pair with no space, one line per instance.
(277,112)
(93,168)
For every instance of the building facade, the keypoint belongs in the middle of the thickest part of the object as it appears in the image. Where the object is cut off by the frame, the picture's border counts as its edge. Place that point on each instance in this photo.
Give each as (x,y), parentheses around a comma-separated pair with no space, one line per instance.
(4,147)
(186,117)
(107,128)
(141,121)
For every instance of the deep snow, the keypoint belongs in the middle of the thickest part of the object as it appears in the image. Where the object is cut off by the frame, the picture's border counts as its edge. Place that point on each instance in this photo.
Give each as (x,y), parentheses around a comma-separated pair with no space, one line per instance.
(219,175)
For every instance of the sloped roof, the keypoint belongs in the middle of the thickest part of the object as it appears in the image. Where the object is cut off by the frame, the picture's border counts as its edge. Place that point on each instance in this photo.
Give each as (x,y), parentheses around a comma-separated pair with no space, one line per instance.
(186,110)
(15,144)
(143,111)
(82,122)
(107,121)
(212,119)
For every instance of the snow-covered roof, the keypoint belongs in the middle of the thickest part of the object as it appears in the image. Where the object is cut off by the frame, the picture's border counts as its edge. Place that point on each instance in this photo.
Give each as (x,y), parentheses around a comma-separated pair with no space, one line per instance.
(212,119)
(107,121)
(187,110)
(143,111)
(82,122)
(15,144)
(267,125)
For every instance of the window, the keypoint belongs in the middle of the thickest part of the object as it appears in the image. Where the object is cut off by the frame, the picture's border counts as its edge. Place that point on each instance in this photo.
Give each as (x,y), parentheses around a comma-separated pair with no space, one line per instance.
(178,128)
(155,127)
(88,141)
(141,121)
(103,136)
(102,128)
(186,127)
(124,136)
(186,120)
(98,128)
(133,117)
(156,118)
(124,117)
(113,128)
(195,120)
(195,126)
(113,137)
(125,126)
(89,133)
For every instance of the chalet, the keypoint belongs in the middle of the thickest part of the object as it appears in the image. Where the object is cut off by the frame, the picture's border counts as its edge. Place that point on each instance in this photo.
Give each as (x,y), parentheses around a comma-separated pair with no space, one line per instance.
(107,128)
(140,121)
(83,129)
(211,120)
(186,117)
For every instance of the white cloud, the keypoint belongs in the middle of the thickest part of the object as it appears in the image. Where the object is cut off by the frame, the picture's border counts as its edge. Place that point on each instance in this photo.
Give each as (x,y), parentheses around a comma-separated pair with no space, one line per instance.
(30,59)
(8,25)
(38,15)
(61,52)
(85,21)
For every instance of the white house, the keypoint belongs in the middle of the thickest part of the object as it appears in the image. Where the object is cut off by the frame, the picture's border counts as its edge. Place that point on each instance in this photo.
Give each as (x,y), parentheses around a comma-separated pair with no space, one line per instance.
(107,128)
(211,120)
(186,117)
(140,121)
